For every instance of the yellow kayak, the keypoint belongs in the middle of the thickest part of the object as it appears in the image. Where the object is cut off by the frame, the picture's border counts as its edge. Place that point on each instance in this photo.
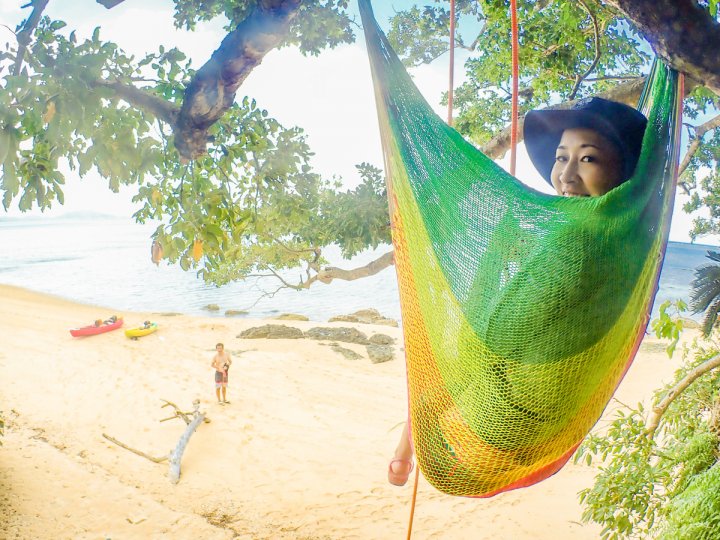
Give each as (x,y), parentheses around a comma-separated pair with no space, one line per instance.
(140,331)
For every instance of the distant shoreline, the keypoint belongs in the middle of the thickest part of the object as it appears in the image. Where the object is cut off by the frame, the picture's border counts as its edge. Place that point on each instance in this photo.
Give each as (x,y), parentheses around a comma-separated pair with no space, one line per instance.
(106,261)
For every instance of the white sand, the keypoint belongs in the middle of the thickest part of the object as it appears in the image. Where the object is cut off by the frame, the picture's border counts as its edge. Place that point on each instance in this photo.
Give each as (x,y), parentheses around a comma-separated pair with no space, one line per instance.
(301,452)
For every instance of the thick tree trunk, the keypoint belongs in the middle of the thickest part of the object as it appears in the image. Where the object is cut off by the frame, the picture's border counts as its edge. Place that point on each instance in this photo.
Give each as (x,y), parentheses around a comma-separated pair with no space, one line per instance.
(212,90)
(681,32)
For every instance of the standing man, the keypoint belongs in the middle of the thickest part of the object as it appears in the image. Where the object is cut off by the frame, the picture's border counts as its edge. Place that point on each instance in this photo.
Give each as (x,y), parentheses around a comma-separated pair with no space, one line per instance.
(221,362)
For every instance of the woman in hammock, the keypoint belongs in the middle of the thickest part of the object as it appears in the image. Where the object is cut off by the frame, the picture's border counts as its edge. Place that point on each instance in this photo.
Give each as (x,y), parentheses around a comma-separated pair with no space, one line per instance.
(585,151)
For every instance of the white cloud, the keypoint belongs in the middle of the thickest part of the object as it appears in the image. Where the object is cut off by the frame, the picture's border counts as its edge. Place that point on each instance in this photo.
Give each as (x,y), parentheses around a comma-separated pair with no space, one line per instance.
(330,97)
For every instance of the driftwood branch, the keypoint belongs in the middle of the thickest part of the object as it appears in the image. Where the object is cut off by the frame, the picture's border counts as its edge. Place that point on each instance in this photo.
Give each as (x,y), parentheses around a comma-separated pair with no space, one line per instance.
(134,451)
(681,32)
(212,90)
(659,409)
(176,455)
(178,413)
(25,35)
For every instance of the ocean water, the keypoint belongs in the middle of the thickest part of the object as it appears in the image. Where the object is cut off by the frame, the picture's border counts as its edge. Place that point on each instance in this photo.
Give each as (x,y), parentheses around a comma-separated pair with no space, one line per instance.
(106,262)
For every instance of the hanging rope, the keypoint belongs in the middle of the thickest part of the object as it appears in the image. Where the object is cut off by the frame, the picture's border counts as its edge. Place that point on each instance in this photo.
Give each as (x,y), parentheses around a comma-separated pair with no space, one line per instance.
(515,69)
(452,63)
(412,504)
(513,144)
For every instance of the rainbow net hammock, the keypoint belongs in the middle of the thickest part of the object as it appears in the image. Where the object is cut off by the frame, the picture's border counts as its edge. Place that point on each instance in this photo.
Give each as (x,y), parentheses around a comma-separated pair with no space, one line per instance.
(521,311)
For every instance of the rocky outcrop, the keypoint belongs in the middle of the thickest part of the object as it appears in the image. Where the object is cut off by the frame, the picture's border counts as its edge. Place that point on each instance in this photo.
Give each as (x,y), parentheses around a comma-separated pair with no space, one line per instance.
(381,339)
(379,347)
(380,353)
(347,353)
(365,316)
(291,317)
(271,331)
(212,307)
(235,312)
(347,335)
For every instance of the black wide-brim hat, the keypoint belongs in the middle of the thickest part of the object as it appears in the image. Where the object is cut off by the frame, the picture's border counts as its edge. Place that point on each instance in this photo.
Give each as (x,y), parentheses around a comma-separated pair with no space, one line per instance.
(622,125)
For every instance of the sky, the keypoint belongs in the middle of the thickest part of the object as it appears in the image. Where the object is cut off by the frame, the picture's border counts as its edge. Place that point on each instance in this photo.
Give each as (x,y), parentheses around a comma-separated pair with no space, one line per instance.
(329,96)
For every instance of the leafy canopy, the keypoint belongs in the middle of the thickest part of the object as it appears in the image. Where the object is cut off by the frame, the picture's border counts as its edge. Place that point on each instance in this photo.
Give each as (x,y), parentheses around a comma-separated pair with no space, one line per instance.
(253,204)
(661,483)
(568,50)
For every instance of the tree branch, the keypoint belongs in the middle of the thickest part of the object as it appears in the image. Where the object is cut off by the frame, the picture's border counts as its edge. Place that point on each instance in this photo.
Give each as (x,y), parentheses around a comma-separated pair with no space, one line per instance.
(25,35)
(627,93)
(681,32)
(327,274)
(696,141)
(612,78)
(160,108)
(134,451)
(212,91)
(178,413)
(284,282)
(596,30)
(176,455)
(659,409)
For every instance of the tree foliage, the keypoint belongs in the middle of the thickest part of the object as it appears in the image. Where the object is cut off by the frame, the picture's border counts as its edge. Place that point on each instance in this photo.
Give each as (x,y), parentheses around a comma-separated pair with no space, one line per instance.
(661,482)
(250,203)
(568,50)
(561,45)
(705,294)
(318,25)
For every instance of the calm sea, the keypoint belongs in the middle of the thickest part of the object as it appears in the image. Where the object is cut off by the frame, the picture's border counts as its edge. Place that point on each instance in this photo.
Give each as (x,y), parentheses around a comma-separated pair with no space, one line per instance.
(106,261)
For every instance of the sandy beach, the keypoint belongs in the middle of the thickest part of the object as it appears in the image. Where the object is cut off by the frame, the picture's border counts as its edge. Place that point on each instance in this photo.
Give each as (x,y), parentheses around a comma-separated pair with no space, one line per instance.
(300,452)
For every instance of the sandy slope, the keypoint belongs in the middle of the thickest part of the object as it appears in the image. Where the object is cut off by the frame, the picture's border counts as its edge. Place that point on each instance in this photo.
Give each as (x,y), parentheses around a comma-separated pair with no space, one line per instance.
(300,453)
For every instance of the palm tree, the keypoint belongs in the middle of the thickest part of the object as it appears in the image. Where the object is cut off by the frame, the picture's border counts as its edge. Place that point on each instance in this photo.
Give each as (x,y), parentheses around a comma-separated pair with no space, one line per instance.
(705,295)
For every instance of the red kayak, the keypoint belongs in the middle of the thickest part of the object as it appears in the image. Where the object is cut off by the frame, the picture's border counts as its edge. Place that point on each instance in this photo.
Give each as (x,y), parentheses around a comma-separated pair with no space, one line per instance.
(93,329)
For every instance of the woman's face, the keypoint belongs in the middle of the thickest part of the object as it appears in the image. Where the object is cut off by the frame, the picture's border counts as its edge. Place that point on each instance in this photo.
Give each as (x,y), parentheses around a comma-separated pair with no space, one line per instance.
(586,164)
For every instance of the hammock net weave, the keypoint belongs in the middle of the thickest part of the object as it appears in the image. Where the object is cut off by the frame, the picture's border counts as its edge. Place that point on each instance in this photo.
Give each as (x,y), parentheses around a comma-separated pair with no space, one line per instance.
(521,311)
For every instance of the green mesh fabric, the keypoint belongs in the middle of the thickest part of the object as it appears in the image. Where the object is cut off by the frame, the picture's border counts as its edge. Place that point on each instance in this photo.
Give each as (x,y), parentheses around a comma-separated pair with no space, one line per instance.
(521,311)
